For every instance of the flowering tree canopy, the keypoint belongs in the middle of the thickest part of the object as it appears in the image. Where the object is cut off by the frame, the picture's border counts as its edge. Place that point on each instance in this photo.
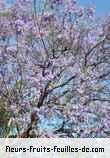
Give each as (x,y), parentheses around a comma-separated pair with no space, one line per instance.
(54,69)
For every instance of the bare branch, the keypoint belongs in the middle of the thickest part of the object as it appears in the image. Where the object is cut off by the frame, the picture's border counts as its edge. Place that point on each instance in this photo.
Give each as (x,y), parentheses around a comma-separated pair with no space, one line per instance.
(63,84)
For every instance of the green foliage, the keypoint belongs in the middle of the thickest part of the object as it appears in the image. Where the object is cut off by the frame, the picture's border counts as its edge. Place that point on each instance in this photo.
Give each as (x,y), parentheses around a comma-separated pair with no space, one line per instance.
(4,118)
(4,14)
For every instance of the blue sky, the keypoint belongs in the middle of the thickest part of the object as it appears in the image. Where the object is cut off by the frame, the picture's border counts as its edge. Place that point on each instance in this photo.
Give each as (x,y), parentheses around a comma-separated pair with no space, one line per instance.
(102,6)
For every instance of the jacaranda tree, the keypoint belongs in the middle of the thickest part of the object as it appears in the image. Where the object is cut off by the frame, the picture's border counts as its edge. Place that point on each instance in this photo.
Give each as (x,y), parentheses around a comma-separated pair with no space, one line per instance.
(55,67)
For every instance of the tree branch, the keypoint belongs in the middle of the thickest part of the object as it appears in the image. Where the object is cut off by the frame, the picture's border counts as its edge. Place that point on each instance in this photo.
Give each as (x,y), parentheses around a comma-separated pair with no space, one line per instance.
(61,85)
